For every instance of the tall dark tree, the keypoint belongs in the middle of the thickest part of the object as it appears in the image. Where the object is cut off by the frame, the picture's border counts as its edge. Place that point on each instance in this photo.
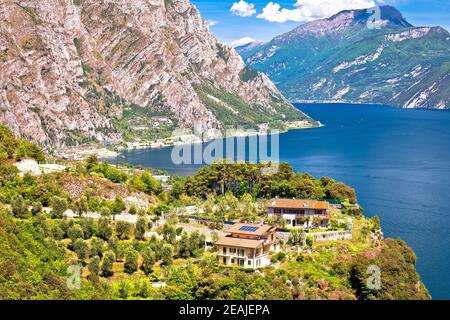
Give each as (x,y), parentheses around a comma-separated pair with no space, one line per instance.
(94,266)
(107,263)
(141,228)
(131,261)
(104,229)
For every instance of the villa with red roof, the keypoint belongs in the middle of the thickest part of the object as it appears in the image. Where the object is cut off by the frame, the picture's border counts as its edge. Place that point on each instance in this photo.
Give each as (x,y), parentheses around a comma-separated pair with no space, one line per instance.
(305,214)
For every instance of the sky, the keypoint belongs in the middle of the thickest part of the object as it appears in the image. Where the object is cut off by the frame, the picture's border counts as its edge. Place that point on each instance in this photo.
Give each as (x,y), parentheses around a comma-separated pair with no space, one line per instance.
(236,22)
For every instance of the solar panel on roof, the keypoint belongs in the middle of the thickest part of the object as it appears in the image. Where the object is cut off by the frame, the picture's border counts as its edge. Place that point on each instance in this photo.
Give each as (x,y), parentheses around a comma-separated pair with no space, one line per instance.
(248,228)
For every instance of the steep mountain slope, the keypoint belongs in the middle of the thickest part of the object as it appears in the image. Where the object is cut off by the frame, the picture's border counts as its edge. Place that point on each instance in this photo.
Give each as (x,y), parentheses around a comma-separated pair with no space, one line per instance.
(70,69)
(341,59)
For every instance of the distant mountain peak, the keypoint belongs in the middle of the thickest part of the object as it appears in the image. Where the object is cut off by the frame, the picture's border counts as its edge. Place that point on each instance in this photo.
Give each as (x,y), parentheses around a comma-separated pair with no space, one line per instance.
(249,46)
(341,59)
(387,16)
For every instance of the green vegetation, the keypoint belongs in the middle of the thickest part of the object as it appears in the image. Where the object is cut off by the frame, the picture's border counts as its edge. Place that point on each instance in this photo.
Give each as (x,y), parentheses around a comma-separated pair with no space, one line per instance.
(233,111)
(77,44)
(12,149)
(120,260)
(240,178)
(248,74)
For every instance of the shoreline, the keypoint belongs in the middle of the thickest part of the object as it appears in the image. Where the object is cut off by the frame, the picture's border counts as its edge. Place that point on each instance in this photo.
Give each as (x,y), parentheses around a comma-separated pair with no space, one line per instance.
(238,135)
(338,102)
(109,152)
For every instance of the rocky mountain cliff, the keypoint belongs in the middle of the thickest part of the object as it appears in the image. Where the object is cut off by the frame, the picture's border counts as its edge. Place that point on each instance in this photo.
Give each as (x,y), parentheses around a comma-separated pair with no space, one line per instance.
(350,57)
(75,71)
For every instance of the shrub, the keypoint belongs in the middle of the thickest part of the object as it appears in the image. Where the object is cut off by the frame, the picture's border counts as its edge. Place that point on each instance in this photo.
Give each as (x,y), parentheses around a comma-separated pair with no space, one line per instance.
(19,207)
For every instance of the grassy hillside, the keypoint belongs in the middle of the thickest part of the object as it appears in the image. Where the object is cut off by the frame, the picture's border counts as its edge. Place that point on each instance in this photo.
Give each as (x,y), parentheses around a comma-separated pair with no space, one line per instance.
(119,260)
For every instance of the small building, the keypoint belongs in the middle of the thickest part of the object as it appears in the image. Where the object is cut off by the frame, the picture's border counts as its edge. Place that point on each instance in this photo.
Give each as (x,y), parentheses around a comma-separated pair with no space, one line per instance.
(161,178)
(247,246)
(305,214)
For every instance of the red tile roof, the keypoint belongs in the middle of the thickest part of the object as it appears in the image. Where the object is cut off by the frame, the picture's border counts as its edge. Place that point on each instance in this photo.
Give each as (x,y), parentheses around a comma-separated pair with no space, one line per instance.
(299,204)
(240,243)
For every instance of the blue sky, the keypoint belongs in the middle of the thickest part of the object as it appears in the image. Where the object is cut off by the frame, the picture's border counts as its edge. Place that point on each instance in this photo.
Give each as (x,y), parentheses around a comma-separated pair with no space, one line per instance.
(249,20)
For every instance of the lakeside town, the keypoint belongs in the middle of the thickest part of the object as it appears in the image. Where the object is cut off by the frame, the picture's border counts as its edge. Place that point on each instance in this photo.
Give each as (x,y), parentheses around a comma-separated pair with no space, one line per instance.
(177,137)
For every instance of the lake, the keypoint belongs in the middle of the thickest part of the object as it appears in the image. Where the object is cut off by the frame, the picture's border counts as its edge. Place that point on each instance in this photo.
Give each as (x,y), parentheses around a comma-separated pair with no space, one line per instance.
(398,161)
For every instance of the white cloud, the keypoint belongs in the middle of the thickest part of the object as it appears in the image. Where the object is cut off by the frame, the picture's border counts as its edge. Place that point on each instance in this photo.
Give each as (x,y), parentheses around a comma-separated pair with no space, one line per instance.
(309,10)
(211,23)
(241,42)
(243,9)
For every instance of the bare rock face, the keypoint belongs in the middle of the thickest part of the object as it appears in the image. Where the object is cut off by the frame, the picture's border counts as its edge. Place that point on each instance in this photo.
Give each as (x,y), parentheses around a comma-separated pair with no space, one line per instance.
(69,68)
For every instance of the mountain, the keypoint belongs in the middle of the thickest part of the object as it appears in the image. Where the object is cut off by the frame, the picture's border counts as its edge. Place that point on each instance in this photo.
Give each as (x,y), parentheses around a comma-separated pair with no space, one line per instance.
(342,59)
(249,46)
(76,71)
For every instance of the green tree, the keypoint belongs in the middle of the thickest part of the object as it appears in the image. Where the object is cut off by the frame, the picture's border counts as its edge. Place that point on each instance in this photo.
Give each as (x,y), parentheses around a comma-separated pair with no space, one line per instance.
(81,248)
(80,206)
(107,264)
(57,232)
(104,229)
(152,186)
(166,254)
(113,245)
(342,192)
(97,246)
(94,266)
(141,228)
(131,261)
(149,260)
(123,290)
(105,212)
(123,229)
(168,233)
(133,210)
(118,206)
(143,289)
(91,162)
(75,232)
(59,206)
(88,226)
(297,237)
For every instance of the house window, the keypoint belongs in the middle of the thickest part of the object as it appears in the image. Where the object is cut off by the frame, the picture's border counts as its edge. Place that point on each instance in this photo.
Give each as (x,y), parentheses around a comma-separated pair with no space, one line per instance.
(249,262)
(232,250)
(224,260)
(240,252)
(232,260)
(224,250)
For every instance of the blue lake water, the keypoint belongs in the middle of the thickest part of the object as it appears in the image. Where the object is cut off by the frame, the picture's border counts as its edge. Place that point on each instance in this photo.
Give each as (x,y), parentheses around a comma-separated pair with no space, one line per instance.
(398,161)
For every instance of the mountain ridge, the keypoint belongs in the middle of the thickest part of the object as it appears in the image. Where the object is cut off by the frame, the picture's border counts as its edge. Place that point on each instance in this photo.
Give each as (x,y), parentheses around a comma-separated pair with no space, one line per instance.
(87,71)
(340,59)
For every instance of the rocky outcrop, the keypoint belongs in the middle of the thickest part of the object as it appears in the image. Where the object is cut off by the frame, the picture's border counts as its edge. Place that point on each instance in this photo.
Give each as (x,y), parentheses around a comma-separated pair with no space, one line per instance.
(70,68)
